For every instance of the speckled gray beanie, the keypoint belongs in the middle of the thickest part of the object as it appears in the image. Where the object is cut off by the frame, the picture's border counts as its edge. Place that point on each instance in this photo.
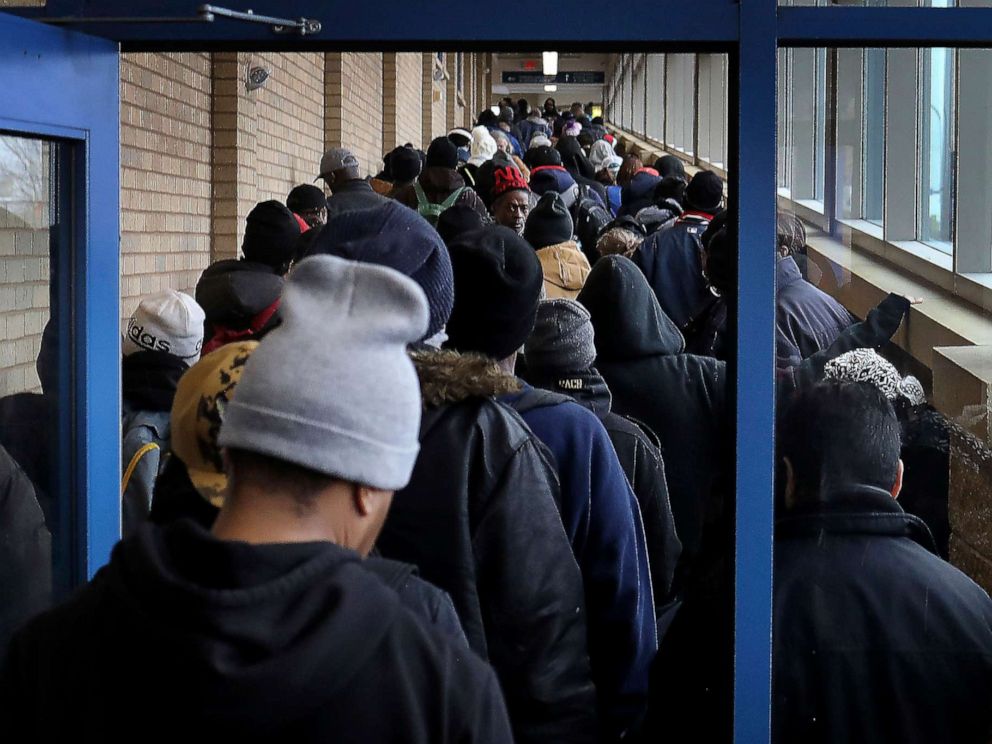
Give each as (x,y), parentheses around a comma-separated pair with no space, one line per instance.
(562,338)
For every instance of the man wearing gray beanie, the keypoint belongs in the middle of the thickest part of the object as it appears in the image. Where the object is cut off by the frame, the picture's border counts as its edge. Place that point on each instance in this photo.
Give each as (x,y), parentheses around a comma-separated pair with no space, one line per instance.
(269,627)
(560,353)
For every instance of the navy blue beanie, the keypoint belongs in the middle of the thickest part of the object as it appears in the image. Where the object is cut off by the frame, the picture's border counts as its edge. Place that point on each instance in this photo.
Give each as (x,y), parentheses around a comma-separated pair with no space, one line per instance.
(395,236)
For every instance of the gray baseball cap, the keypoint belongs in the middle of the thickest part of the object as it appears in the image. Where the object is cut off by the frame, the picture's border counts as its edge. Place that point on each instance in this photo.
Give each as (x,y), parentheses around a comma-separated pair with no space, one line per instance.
(335,159)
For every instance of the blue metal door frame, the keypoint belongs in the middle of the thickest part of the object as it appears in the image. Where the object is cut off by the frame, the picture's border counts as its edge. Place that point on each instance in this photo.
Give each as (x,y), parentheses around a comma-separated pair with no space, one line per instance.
(751,30)
(63,85)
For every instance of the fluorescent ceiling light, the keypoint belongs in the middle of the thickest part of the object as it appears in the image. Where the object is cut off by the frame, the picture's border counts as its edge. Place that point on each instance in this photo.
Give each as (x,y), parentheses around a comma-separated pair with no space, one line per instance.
(550,63)
(550,88)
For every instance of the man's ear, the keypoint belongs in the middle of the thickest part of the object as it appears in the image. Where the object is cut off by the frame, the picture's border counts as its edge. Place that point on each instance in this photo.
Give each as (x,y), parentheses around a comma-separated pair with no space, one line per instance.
(897,486)
(790,483)
(362,499)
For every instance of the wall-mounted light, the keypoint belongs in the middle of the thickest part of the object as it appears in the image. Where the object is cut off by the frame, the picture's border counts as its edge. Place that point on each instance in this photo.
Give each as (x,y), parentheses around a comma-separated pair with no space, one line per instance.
(550,88)
(255,78)
(550,63)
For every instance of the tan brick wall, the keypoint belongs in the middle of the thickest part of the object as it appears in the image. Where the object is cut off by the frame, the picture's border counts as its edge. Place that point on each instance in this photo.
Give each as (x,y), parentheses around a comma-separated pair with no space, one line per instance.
(290,114)
(434,108)
(165,172)
(402,99)
(24,271)
(353,119)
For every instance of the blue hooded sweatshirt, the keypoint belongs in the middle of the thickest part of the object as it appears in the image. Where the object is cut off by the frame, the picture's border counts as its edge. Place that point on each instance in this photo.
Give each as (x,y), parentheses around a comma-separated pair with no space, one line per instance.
(603,522)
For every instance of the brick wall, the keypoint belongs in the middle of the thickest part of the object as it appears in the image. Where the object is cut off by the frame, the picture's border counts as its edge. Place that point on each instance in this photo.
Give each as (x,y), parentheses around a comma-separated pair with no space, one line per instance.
(165,172)
(354,111)
(290,114)
(402,96)
(24,260)
(434,108)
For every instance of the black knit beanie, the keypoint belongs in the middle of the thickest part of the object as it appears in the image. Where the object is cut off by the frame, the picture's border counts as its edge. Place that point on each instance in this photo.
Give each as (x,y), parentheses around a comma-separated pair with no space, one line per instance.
(305,197)
(456,221)
(271,233)
(543,155)
(704,192)
(549,223)
(498,282)
(442,153)
(404,164)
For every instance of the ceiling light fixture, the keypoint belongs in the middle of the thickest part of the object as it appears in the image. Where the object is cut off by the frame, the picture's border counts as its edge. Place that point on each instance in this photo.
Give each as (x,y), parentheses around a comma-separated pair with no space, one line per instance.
(550,63)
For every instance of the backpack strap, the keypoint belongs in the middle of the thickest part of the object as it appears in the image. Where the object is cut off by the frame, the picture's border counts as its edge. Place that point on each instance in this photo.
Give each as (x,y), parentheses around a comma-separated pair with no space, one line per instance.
(422,200)
(452,198)
(131,466)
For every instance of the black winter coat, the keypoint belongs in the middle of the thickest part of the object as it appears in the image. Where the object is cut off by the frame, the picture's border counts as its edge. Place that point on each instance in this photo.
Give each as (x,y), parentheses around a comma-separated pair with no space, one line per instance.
(25,551)
(807,320)
(671,261)
(639,453)
(183,633)
(681,397)
(876,638)
(480,520)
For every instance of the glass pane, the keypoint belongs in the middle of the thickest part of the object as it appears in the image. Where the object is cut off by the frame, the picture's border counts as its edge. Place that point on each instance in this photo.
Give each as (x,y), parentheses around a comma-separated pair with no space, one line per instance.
(883,415)
(873,135)
(820,123)
(937,148)
(35,512)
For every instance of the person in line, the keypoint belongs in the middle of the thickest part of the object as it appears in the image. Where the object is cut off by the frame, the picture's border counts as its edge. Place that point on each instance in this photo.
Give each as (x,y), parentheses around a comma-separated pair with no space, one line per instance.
(875,637)
(481,149)
(622,237)
(268,627)
(480,517)
(560,353)
(510,199)
(308,203)
(671,259)
(439,185)
(498,278)
(341,172)
(550,232)
(163,338)
(240,297)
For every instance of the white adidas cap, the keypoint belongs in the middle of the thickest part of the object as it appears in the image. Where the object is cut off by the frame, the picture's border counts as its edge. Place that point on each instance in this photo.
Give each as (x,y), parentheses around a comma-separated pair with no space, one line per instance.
(168,321)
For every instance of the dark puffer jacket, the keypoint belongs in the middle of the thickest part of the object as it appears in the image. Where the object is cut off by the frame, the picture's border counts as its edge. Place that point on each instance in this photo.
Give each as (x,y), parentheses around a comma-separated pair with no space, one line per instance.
(681,397)
(480,520)
(876,638)
(353,196)
(671,260)
(807,320)
(438,184)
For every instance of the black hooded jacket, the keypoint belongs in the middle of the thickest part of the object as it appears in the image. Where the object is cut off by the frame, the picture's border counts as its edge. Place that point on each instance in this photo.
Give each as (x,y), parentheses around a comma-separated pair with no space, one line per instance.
(876,638)
(25,551)
(638,450)
(480,520)
(575,162)
(184,633)
(233,292)
(681,397)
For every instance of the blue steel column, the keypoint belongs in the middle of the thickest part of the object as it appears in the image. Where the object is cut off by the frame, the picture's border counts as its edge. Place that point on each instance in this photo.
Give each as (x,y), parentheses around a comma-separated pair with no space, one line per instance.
(755,181)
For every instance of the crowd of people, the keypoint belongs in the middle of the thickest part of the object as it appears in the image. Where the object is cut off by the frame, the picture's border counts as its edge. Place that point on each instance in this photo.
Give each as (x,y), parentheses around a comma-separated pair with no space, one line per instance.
(447,455)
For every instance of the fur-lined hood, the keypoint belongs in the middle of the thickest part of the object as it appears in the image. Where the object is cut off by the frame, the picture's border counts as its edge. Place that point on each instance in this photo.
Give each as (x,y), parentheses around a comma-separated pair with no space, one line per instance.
(449,377)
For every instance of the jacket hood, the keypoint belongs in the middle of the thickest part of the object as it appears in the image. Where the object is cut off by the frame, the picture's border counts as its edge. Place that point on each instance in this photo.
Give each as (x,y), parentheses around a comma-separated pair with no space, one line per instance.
(587,387)
(438,182)
(564,265)
(248,628)
(639,193)
(626,317)
(555,178)
(233,292)
(449,377)
(574,158)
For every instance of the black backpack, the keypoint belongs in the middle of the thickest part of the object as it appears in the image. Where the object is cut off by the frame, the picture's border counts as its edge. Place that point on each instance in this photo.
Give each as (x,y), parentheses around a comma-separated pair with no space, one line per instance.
(590,218)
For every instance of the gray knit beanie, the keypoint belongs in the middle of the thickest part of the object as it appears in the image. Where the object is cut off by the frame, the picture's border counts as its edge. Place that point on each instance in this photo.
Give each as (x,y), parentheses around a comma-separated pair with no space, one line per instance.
(562,338)
(332,389)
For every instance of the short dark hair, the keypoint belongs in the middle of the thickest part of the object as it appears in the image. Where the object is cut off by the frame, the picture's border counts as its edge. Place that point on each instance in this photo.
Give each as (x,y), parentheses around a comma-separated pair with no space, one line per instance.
(278,476)
(837,435)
